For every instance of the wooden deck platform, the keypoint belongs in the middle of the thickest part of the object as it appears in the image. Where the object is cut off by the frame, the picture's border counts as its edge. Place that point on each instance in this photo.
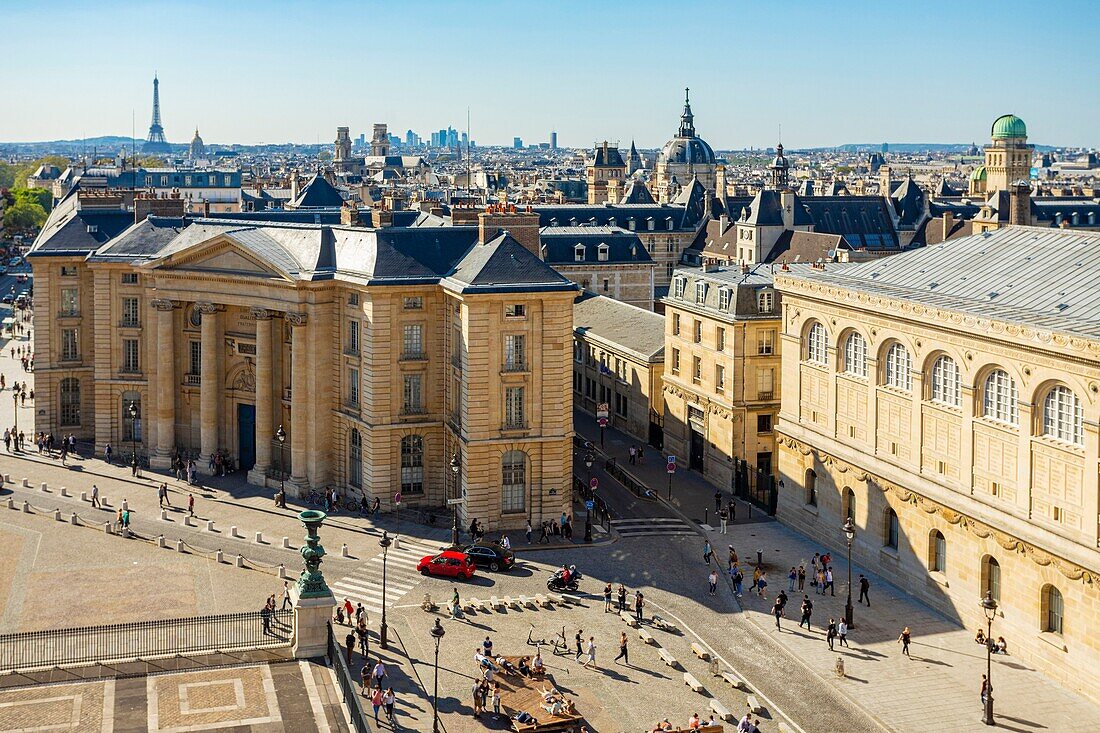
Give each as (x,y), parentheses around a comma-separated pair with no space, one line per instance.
(519,693)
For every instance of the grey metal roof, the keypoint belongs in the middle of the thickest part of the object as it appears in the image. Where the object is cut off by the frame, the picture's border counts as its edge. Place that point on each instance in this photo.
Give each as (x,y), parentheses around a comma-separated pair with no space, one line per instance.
(1045,278)
(502,263)
(743,285)
(559,245)
(632,328)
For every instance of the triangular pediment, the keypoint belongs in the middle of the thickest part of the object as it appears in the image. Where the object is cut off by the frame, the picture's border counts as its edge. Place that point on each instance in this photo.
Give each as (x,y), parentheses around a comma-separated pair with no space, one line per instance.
(220,256)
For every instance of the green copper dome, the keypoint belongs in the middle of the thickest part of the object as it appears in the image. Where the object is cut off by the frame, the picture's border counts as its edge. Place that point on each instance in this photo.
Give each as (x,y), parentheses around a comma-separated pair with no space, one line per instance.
(1009,126)
(978,174)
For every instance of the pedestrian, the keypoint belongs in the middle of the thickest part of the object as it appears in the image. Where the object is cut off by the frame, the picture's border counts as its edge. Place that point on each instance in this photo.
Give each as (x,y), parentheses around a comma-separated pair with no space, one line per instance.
(568,529)
(813,571)
(723,518)
(801,578)
(639,603)
(349,610)
(712,581)
(191,504)
(364,639)
(476,692)
(807,611)
(842,632)
(731,560)
(984,690)
(545,536)
(7,440)
(388,701)
(762,584)
(364,676)
(286,594)
(126,518)
(496,699)
(487,647)
(830,633)
(607,598)
(349,641)
(528,530)
(738,580)
(905,638)
(641,454)
(755,578)
(591,660)
(708,552)
(829,581)
(622,597)
(163,495)
(633,454)
(95,496)
(717,500)
(731,506)
(791,578)
(864,586)
(622,649)
(376,703)
(579,640)
(107,453)
(265,616)
(777,611)
(378,674)
(821,580)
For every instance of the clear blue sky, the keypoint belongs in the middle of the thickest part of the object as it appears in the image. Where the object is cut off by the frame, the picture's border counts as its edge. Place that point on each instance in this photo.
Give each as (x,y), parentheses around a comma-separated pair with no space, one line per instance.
(830,72)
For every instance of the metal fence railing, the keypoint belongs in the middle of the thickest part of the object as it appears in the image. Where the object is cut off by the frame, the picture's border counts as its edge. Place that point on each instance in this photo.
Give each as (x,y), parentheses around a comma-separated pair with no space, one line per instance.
(145,639)
(349,688)
(635,486)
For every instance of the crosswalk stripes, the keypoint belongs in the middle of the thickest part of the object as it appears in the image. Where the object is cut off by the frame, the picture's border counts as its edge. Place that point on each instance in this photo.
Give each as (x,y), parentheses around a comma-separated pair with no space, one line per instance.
(651,526)
(365,584)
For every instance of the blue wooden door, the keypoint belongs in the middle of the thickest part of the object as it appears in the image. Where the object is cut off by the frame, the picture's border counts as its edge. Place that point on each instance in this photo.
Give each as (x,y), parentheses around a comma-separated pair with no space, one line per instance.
(246,436)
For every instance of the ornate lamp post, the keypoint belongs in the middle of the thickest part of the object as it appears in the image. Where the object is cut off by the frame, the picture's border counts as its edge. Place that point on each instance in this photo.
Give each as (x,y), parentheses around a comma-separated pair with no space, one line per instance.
(280,435)
(437,634)
(133,437)
(587,511)
(384,543)
(311,583)
(989,606)
(455,466)
(850,534)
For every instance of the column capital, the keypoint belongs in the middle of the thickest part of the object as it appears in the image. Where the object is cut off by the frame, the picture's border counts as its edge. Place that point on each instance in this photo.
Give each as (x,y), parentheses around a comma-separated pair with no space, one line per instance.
(296,319)
(206,307)
(162,304)
(259,314)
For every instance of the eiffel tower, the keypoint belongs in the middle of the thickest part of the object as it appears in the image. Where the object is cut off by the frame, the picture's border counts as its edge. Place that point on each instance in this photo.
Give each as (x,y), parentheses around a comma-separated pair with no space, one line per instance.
(156,143)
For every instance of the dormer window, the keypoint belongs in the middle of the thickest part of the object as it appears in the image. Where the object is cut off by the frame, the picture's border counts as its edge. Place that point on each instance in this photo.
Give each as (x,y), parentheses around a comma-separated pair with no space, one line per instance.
(724,299)
(765,301)
(668,223)
(611,222)
(631,224)
(578,253)
(603,252)
(700,293)
(678,287)
(650,223)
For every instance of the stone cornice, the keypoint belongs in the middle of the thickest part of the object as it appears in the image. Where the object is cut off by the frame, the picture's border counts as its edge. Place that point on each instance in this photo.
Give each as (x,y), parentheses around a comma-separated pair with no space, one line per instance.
(981,529)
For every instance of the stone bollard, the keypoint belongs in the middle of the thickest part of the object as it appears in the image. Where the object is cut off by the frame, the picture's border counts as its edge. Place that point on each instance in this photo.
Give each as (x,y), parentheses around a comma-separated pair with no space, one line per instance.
(219,557)
(397,543)
(43,488)
(209,525)
(240,561)
(64,491)
(11,503)
(107,527)
(57,515)
(26,507)
(344,551)
(74,519)
(84,496)
(160,540)
(282,573)
(259,538)
(7,478)
(179,545)
(286,543)
(26,483)
(233,531)
(164,515)
(103,500)
(187,521)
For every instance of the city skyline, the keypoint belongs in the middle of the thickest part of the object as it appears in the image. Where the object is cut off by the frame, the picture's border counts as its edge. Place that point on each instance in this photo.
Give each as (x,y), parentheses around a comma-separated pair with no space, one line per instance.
(745,84)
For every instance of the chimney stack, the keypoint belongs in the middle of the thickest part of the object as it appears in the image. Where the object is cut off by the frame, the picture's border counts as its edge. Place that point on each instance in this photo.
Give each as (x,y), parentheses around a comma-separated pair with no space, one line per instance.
(522,225)
(948,224)
(1019,206)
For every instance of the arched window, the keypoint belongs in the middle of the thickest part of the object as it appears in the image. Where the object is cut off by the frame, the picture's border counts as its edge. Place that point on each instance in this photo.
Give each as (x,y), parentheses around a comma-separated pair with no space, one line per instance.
(1053,609)
(937,552)
(131,428)
(945,382)
(513,494)
(991,577)
(817,344)
(1000,398)
(850,504)
(70,401)
(1063,416)
(355,459)
(890,530)
(811,487)
(899,374)
(412,464)
(855,355)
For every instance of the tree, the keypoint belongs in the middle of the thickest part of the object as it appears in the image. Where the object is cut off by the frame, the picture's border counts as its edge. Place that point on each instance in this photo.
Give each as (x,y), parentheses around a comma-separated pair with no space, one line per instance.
(40,196)
(24,215)
(150,161)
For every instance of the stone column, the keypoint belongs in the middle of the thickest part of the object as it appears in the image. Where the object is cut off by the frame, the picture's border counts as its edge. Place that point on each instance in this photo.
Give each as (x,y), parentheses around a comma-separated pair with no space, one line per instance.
(210,382)
(166,384)
(299,401)
(264,396)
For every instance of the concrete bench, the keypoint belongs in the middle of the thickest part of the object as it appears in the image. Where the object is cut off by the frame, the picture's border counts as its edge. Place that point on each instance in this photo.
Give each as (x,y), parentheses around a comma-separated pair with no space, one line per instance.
(526,602)
(630,620)
(733,680)
(569,598)
(754,705)
(784,728)
(543,601)
(477,605)
(720,710)
(694,684)
(662,624)
(667,658)
(698,650)
(646,636)
(555,598)
(470,604)
(495,603)
(511,602)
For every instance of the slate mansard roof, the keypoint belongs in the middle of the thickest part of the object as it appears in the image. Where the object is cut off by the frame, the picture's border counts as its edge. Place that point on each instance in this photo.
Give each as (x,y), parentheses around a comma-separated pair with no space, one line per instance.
(627,326)
(560,245)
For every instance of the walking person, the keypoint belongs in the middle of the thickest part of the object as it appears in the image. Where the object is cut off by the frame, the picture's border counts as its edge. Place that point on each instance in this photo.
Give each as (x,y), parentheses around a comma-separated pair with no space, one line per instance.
(633,455)
(622,597)
(349,642)
(905,639)
(830,633)
(162,495)
(286,596)
(801,577)
(807,612)
(829,581)
(864,586)
(528,530)
(364,677)
(95,496)
(191,505)
(388,701)
(777,611)
(376,703)
(496,699)
(579,640)
(378,674)
(723,518)
(762,584)
(107,453)
(639,603)
(842,632)
(591,660)
(708,552)
(607,598)
(623,655)
(738,579)
(265,615)
(712,581)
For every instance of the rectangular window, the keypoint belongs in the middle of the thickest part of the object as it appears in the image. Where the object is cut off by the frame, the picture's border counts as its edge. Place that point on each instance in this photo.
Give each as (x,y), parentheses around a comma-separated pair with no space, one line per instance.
(675,361)
(70,348)
(513,407)
(675,324)
(719,378)
(765,383)
(697,332)
(578,351)
(606,284)
(353,298)
(195,361)
(69,270)
(130,356)
(412,394)
(413,303)
(70,302)
(765,341)
(413,344)
(515,353)
(590,388)
(720,341)
(696,370)
(353,386)
(622,405)
(353,338)
(670,267)
(724,299)
(129,311)
(763,423)
(700,293)
(577,382)
(515,310)
(678,287)
(129,278)
(764,462)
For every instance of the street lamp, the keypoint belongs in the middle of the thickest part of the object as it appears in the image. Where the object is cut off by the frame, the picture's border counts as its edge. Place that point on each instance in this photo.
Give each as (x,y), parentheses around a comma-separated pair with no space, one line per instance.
(989,606)
(384,543)
(437,634)
(133,437)
(455,466)
(587,511)
(849,533)
(280,435)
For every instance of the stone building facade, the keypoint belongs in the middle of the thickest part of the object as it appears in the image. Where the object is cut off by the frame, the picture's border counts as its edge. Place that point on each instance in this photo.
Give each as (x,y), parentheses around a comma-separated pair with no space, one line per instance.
(381,353)
(948,403)
(721,382)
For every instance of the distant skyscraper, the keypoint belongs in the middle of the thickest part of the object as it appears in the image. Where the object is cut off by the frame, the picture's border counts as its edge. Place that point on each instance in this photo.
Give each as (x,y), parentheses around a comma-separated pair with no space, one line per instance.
(452,137)
(553,141)
(362,140)
(442,139)
(411,139)
(517,142)
(885,148)
(156,143)
(465,139)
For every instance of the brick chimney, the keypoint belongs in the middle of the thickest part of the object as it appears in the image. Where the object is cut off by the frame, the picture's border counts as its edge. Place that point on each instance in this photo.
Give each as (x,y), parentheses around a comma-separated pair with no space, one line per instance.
(349,214)
(149,204)
(948,224)
(1019,206)
(523,225)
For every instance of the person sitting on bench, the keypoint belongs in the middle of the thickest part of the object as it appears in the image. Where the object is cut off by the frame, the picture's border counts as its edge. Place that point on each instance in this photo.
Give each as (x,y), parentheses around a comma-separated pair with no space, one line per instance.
(536,664)
(554,708)
(524,668)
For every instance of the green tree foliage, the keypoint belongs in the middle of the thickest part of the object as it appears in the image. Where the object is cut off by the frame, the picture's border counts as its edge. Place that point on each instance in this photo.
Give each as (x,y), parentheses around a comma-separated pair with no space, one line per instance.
(15,176)
(40,196)
(150,161)
(24,215)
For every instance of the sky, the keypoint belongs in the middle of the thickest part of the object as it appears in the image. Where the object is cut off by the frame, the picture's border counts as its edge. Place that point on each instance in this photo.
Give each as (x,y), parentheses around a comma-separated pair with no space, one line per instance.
(829,72)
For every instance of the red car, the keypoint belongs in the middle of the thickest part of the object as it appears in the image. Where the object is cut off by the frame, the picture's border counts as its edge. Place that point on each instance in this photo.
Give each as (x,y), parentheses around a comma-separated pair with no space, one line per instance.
(449,564)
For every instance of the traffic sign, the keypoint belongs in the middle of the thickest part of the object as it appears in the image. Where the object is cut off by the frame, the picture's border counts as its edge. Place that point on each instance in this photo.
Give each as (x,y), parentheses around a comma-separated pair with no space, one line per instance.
(397,498)
(671,459)
(670,467)
(603,410)
(453,502)
(603,422)
(589,504)
(594,483)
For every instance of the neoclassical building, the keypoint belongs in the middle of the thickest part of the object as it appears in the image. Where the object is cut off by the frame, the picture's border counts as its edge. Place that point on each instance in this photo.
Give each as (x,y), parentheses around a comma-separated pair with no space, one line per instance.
(683,158)
(380,352)
(947,400)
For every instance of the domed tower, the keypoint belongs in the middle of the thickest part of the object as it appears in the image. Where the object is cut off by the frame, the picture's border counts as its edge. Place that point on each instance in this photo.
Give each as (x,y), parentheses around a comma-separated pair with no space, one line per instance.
(780,170)
(686,156)
(197,148)
(1008,156)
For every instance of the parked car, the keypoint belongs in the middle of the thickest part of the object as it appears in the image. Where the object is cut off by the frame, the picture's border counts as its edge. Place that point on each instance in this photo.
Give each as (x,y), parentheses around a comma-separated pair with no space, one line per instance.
(8,298)
(448,564)
(490,555)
